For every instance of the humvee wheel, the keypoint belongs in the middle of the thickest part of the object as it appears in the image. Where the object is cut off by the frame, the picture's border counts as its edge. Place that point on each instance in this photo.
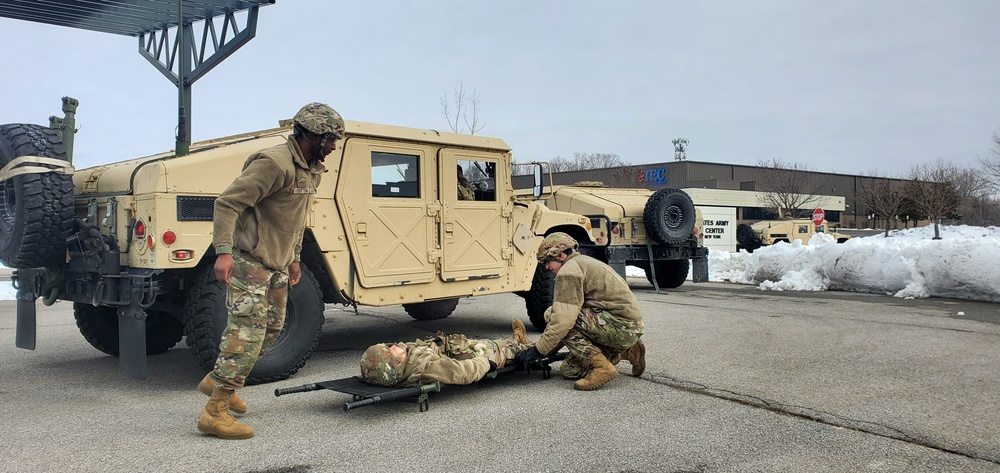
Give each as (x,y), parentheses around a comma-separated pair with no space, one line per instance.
(36,210)
(746,237)
(670,274)
(539,297)
(431,310)
(669,216)
(205,316)
(99,326)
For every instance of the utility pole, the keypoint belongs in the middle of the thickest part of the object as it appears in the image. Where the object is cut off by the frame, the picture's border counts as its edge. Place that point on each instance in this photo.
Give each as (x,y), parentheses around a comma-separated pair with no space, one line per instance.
(680,149)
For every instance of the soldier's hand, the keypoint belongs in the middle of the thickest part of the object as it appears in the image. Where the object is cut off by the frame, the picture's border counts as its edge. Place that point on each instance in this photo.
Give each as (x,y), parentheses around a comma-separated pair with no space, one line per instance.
(224,265)
(527,357)
(294,273)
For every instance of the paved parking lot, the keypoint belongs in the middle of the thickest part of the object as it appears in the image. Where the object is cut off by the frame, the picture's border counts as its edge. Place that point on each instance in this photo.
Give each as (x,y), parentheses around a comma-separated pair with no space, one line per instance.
(738,380)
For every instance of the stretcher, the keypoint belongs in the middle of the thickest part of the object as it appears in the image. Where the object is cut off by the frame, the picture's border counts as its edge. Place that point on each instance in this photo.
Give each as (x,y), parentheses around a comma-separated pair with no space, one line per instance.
(365,394)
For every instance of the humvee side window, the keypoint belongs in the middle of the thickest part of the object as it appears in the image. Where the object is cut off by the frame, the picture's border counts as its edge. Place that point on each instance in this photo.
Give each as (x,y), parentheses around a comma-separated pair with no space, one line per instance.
(395,175)
(819,229)
(480,177)
(803,229)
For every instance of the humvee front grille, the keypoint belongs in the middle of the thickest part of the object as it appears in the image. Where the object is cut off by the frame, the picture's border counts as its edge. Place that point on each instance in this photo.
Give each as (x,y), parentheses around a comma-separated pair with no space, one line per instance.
(195,209)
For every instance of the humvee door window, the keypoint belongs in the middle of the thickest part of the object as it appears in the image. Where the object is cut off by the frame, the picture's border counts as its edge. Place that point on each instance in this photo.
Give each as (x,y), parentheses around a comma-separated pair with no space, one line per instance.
(395,175)
(803,229)
(819,229)
(479,177)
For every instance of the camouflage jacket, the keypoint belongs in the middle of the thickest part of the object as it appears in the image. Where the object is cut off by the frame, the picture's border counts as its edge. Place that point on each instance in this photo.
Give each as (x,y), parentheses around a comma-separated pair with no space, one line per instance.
(428,360)
(264,211)
(581,282)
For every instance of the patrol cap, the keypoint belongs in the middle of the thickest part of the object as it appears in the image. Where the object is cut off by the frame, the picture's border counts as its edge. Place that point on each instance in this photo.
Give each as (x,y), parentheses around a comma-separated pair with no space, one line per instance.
(380,367)
(554,244)
(320,119)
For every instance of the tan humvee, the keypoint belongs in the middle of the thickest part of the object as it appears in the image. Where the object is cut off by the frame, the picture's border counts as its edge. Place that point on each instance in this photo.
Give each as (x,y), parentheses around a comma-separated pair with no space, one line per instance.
(386,228)
(769,232)
(657,231)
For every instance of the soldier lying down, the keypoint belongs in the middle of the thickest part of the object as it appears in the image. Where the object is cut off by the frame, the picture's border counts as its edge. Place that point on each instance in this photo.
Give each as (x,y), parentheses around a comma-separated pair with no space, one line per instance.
(449,359)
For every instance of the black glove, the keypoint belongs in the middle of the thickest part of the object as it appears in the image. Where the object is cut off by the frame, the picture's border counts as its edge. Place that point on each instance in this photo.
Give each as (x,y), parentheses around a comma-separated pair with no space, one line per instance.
(493,366)
(527,357)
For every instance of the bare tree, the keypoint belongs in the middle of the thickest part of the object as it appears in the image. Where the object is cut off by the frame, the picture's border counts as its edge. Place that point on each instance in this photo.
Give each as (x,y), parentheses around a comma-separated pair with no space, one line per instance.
(883,196)
(788,187)
(627,177)
(598,160)
(466,111)
(992,165)
(973,192)
(933,192)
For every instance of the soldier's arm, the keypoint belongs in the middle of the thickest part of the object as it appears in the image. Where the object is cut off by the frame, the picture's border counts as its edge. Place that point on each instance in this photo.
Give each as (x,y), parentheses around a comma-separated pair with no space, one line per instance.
(567,301)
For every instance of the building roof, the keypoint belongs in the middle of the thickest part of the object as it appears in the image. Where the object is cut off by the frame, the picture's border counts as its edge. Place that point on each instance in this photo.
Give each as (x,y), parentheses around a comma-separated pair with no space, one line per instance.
(123,17)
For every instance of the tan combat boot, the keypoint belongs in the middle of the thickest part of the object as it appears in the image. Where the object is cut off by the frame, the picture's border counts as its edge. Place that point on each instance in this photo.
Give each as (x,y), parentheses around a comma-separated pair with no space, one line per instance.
(519,335)
(236,403)
(601,371)
(216,419)
(637,357)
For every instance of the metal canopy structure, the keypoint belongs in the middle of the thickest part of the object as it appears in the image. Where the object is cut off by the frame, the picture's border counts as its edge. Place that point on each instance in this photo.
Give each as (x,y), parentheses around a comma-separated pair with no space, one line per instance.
(165,31)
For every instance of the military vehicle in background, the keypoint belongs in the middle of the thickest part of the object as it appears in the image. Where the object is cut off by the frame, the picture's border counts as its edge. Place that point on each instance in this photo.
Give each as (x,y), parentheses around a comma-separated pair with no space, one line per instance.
(658,231)
(130,243)
(768,232)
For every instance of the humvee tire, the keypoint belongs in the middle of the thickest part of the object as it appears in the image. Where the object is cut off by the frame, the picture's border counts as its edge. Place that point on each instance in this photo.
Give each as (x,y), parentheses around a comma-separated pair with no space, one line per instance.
(205,316)
(668,216)
(539,297)
(431,310)
(36,210)
(99,326)
(670,274)
(746,237)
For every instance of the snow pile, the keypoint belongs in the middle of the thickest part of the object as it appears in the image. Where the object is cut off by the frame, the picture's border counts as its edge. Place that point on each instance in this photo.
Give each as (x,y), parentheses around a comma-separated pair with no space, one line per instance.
(964,264)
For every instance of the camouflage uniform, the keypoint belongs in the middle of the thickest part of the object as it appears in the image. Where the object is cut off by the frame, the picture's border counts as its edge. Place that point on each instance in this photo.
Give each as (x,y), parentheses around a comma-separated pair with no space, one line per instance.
(465,190)
(449,359)
(256,299)
(593,310)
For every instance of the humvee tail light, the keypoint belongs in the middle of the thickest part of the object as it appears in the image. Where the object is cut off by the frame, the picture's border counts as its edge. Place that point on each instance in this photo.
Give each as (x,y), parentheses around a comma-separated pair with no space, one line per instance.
(168,237)
(150,241)
(140,228)
(182,255)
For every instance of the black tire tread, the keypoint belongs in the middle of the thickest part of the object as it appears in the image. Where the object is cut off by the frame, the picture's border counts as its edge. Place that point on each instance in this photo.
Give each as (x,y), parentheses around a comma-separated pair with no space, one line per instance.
(670,274)
(656,206)
(539,297)
(431,310)
(46,202)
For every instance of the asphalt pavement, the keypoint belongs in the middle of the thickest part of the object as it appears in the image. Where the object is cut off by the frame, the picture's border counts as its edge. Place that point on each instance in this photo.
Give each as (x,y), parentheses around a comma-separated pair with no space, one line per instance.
(738,380)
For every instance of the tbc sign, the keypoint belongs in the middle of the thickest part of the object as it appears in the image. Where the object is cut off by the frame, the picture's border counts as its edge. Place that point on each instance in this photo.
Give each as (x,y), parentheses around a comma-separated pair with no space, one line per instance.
(818,217)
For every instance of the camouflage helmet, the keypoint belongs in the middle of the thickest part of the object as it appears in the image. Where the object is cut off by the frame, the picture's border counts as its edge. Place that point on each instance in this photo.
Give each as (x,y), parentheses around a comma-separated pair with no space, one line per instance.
(554,244)
(380,367)
(320,119)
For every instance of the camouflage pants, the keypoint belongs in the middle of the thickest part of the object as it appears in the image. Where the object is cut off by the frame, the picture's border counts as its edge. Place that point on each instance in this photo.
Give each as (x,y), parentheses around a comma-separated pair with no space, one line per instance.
(500,351)
(256,299)
(597,332)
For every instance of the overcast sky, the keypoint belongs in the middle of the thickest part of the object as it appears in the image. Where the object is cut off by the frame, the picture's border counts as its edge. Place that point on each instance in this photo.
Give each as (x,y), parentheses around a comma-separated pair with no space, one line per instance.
(841,86)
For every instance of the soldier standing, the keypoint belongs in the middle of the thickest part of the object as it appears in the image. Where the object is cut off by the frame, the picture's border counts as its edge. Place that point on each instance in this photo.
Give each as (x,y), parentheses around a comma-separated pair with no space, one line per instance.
(259,224)
(593,313)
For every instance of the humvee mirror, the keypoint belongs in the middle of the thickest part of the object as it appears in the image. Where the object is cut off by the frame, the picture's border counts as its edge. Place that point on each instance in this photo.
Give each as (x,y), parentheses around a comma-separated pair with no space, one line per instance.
(537,189)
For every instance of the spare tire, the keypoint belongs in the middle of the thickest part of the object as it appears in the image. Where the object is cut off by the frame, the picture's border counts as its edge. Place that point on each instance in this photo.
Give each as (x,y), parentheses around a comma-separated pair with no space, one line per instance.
(669,216)
(36,209)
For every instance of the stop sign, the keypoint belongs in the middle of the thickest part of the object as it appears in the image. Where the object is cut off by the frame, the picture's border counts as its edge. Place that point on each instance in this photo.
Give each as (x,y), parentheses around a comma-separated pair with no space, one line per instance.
(818,217)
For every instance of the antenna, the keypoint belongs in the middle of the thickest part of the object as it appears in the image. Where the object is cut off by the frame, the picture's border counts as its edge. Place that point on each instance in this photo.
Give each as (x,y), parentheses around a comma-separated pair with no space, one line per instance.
(680,149)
